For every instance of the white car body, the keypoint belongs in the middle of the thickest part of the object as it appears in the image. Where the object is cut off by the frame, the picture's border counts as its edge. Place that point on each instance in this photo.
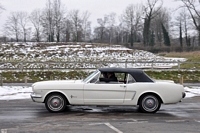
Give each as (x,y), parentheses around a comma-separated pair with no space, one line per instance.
(83,92)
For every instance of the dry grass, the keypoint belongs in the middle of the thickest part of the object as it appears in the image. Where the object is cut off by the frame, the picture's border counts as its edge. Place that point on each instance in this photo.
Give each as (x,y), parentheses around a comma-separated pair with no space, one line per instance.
(191,56)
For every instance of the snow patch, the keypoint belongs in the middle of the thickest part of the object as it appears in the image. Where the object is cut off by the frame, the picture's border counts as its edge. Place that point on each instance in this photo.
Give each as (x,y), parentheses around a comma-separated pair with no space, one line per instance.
(21,92)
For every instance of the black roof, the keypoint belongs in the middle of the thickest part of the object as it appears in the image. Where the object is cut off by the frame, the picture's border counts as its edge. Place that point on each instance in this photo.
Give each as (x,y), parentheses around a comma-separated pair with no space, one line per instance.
(125,70)
(138,74)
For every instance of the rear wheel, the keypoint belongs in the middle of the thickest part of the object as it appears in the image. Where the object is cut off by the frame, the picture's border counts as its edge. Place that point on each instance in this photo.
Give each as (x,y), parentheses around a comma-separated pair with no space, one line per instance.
(55,102)
(149,103)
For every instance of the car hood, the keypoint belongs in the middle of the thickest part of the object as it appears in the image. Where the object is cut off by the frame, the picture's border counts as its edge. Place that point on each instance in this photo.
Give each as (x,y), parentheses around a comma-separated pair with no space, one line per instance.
(53,82)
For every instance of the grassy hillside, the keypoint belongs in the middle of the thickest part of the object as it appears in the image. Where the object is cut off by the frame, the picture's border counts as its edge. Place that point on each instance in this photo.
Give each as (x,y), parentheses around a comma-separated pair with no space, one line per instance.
(20,52)
(34,76)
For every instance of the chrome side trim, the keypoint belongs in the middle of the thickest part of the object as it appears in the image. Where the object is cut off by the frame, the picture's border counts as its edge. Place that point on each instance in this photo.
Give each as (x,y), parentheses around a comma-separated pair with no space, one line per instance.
(134,93)
(122,90)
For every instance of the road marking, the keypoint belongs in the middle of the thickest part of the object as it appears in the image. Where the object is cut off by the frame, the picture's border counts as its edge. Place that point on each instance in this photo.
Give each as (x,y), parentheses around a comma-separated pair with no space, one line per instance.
(175,120)
(192,109)
(138,122)
(135,119)
(107,124)
(197,121)
(3,130)
(73,122)
(113,128)
(94,124)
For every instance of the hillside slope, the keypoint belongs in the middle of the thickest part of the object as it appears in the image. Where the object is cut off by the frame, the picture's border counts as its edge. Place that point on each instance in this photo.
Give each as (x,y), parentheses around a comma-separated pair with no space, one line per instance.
(95,55)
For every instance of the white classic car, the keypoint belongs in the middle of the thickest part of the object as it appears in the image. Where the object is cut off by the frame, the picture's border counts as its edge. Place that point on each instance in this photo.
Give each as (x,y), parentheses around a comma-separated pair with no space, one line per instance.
(108,86)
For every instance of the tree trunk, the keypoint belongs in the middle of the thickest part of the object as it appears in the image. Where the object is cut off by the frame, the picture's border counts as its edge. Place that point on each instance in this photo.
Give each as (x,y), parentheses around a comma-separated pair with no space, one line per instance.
(199,38)
(58,37)
(131,37)
(181,38)
(146,32)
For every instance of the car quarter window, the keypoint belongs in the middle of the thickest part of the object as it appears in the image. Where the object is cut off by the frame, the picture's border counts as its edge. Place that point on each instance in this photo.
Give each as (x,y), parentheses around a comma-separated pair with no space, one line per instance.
(120,76)
(130,79)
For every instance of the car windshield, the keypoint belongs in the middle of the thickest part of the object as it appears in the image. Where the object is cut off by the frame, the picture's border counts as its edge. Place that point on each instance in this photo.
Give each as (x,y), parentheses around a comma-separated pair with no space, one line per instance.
(90,76)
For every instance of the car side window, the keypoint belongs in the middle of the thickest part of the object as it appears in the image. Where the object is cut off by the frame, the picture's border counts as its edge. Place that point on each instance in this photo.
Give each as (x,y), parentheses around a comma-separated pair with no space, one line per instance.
(108,78)
(130,79)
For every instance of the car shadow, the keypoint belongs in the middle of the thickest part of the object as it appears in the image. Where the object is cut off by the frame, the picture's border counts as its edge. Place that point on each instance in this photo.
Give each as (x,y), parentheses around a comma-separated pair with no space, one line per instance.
(104,112)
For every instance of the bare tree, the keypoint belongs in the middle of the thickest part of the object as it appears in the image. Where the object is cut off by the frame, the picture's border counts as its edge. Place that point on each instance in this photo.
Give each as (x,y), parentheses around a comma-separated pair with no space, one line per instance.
(132,18)
(124,30)
(58,18)
(36,20)
(184,24)
(76,22)
(86,26)
(111,25)
(23,22)
(67,29)
(1,8)
(48,21)
(193,7)
(162,18)
(151,10)
(101,29)
(12,27)
(121,30)
(179,24)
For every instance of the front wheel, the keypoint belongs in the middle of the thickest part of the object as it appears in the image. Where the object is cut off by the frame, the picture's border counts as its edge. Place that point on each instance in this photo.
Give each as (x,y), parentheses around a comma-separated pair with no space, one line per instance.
(55,103)
(149,103)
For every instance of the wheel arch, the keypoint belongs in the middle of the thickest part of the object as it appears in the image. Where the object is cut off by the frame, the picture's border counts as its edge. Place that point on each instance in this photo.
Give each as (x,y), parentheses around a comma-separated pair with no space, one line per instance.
(56,92)
(149,93)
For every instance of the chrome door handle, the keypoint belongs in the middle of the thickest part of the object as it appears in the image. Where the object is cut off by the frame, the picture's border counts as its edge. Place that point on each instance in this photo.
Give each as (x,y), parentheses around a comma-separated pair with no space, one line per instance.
(122,85)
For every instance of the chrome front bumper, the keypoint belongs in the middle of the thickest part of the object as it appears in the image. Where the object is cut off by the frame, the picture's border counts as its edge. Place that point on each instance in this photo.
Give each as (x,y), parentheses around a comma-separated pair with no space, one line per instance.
(33,95)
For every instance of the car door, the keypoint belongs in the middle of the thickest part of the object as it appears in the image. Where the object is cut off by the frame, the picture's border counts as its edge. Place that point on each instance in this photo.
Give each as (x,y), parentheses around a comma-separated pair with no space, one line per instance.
(102,93)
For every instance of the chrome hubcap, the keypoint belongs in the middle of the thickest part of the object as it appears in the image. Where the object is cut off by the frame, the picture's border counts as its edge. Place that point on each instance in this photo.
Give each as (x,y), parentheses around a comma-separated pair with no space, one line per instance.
(55,103)
(150,103)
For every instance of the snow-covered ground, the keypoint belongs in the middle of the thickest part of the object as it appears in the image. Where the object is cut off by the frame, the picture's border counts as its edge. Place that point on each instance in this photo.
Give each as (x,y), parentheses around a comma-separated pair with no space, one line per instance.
(20,92)
(15,53)
(14,92)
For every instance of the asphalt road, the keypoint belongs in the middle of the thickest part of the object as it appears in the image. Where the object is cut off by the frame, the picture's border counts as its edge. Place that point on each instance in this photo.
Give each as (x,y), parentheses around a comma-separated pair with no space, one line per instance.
(25,116)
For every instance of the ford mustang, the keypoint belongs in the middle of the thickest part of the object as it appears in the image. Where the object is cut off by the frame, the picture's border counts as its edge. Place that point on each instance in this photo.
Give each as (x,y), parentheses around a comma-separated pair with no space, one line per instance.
(109,86)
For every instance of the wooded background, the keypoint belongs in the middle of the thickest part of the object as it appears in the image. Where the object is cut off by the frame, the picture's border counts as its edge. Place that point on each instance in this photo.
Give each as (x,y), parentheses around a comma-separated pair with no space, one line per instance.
(141,25)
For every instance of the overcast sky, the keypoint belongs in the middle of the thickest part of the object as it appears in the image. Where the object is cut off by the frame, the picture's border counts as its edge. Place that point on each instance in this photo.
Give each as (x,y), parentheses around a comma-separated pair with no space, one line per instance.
(97,8)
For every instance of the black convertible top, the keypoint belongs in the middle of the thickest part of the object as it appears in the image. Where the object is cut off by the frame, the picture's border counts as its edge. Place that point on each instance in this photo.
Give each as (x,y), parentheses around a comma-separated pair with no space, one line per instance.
(138,74)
